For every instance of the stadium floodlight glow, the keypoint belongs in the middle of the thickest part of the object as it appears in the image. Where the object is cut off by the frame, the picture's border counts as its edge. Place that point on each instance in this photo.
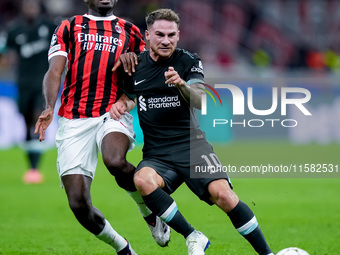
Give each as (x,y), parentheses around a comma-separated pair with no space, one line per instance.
(239,100)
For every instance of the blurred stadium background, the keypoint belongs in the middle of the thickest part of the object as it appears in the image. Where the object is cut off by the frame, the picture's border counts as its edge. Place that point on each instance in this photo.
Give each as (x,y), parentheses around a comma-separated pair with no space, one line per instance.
(248,43)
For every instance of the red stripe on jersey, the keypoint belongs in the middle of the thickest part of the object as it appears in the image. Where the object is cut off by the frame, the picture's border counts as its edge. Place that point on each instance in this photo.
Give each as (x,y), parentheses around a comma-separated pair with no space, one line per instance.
(104,70)
(132,42)
(138,43)
(63,34)
(75,51)
(87,69)
(66,44)
(122,35)
(122,38)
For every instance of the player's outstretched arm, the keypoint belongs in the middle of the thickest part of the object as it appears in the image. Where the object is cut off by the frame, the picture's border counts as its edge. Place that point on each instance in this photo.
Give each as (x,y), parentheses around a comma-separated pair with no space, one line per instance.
(129,61)
(51,86)
(192,94)
(123,104)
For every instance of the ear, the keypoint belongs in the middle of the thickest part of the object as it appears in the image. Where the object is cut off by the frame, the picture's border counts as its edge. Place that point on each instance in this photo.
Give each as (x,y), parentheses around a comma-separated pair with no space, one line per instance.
(147,35)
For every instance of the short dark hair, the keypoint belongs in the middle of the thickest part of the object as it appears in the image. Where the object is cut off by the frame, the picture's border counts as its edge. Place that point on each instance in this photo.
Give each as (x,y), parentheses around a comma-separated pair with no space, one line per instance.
(166,14)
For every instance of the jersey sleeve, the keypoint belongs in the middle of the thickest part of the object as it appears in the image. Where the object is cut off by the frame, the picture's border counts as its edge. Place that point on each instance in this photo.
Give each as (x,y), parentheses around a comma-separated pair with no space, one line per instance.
(60,40)
(196,73)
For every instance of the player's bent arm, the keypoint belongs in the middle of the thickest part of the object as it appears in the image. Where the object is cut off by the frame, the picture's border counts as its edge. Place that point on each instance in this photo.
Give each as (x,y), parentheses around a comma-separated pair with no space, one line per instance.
(52,80)
(192,93)
(51,85)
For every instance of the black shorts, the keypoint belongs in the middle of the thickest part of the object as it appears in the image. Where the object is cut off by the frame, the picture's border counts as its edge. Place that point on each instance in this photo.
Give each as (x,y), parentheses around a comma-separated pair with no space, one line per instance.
(30,101)
(178,166)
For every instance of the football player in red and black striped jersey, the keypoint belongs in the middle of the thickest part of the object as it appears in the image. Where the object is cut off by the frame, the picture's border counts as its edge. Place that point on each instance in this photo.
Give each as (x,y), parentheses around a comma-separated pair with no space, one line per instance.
(90,45)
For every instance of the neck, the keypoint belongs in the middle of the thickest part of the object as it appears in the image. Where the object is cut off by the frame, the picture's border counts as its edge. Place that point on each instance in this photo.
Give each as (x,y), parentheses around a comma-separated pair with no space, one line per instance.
(100,12)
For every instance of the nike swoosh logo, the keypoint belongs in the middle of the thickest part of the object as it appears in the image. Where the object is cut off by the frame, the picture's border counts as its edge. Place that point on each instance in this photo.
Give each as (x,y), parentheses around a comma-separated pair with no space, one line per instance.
(138,82)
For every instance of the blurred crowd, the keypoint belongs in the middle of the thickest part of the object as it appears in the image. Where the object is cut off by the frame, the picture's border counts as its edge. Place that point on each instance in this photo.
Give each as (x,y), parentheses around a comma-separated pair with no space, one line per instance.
(283,34)
(275,33)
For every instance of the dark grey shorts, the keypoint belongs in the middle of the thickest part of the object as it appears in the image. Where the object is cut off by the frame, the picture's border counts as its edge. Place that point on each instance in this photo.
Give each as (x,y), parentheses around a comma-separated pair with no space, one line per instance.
(178,166)
(30,101)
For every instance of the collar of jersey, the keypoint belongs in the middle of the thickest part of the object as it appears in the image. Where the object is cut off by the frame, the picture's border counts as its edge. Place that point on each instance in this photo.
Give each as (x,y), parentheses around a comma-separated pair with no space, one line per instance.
(112,17)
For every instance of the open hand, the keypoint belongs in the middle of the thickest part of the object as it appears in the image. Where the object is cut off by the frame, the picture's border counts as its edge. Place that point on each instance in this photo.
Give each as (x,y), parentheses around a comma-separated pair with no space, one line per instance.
(43,122)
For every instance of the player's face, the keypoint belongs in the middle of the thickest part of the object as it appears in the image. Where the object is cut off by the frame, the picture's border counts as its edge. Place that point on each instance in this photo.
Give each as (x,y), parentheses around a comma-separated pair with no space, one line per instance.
(101,7)
(162,36)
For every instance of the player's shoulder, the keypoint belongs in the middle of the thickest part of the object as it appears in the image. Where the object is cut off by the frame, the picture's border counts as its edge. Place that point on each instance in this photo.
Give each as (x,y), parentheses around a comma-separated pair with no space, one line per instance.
(70,22)
(126,23)
(182,53)
(143,55)
(67,21)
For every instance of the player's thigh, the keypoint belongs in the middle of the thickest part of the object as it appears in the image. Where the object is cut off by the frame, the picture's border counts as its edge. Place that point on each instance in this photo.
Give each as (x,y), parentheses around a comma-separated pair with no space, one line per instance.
(199,186)
(202,156)
(114,146)
(171,179)
(115,134)
(77,148)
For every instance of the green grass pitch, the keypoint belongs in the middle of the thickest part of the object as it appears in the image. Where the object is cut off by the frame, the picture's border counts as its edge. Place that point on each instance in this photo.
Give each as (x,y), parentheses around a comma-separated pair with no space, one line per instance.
(302,212)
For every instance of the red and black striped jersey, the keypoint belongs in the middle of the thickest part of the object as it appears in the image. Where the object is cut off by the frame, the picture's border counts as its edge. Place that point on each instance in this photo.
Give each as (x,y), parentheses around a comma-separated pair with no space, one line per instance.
(92,46)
